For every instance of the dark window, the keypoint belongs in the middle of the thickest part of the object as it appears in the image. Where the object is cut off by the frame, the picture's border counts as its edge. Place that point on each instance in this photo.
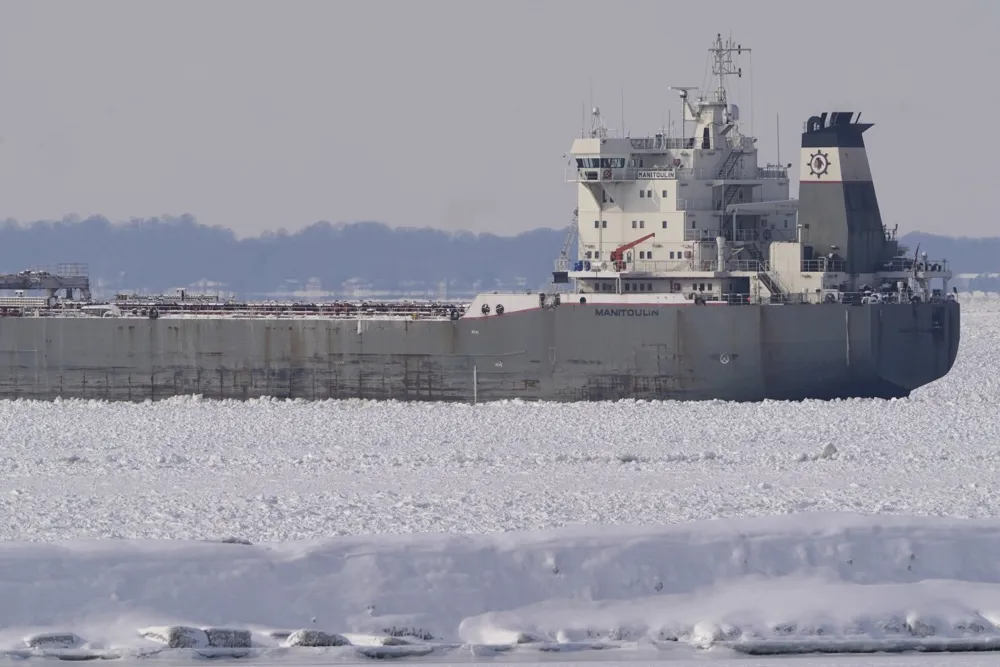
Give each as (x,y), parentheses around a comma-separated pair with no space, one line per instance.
(664,224)
(642,193)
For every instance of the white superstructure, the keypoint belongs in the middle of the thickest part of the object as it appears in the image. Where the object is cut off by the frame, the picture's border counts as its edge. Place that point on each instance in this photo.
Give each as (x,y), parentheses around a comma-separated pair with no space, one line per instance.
(698,215)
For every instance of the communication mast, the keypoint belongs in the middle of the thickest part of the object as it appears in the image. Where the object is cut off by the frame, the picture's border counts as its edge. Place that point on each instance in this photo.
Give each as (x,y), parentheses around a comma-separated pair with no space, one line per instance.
(722,65)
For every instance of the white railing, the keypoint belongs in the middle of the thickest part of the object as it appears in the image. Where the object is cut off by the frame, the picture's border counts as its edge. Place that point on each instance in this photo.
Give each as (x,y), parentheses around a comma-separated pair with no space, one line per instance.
(741,143)
(820,265)
(608,175)
(660,266)
(772,172)
(921,265)
(744,265)
(694,205)
(574,174)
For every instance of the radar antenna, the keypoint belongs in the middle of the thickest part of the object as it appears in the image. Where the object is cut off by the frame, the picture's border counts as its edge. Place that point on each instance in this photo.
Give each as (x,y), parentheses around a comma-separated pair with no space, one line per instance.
(722,66)
(597,127)
(683,92)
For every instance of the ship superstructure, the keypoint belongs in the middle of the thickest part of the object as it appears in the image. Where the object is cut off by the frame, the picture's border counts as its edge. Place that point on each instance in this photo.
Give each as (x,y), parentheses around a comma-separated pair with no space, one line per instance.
(698,215)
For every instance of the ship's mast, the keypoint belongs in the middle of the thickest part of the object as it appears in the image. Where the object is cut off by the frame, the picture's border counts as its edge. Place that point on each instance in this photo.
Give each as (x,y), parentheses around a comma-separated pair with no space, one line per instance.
(722,65)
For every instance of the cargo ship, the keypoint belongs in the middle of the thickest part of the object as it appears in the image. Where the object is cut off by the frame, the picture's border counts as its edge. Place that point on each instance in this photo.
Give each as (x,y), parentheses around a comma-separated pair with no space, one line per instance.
(689,274)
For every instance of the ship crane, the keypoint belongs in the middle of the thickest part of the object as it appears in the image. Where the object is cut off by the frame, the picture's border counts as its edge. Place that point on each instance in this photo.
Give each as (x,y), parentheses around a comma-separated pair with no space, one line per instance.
(619,252)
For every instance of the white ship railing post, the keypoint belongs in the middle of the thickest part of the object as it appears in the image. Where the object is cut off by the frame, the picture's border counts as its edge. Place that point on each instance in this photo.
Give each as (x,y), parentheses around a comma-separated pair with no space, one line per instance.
(475,384)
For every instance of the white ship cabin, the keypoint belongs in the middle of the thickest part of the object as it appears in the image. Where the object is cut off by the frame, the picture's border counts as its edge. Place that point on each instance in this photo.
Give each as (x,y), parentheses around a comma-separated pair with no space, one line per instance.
(698,215)
(686,214)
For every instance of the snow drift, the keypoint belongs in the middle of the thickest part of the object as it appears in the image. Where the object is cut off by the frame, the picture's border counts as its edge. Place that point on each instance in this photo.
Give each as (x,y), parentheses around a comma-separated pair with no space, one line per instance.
(813,576)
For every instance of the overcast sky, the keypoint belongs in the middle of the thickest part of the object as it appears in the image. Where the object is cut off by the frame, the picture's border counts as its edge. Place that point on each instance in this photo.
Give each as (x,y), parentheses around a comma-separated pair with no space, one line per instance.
(261,115)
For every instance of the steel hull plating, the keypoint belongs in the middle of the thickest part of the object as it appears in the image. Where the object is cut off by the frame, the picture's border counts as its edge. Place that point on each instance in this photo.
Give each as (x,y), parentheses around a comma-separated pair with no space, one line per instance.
(571,353)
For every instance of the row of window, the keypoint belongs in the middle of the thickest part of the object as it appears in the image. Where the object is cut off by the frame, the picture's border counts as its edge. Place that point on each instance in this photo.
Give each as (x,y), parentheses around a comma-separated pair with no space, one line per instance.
(643,194)
(636,224)
(643,254)
(600,162)
(641,224)
(646,287)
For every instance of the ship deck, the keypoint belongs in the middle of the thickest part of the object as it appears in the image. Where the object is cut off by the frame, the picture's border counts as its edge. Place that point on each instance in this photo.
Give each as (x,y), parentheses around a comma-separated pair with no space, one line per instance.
(174,309)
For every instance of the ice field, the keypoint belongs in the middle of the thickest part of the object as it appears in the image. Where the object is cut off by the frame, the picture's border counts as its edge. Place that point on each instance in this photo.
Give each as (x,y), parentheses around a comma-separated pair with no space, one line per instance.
(853,524)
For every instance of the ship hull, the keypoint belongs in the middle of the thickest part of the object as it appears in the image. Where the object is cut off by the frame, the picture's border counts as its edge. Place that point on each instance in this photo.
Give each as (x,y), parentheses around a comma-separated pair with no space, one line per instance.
(569,353)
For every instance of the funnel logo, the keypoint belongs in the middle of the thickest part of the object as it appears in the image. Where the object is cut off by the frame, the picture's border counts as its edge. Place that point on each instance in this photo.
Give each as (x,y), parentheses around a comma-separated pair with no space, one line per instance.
(819,163)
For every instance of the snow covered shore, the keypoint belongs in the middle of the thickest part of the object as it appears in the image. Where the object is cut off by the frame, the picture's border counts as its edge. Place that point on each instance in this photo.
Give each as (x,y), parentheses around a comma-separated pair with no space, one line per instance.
(817,577)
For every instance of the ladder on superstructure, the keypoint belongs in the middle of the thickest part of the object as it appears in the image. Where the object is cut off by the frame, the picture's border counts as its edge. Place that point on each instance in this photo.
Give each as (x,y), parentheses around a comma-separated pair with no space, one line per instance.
(725,173)
(762,269)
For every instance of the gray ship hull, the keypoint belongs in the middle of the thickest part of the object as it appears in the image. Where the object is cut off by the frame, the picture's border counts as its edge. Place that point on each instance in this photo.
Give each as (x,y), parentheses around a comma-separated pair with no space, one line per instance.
(570,353)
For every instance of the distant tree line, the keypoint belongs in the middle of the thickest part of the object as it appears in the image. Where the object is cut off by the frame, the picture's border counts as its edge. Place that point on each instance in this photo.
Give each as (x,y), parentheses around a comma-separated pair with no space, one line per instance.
(160,254)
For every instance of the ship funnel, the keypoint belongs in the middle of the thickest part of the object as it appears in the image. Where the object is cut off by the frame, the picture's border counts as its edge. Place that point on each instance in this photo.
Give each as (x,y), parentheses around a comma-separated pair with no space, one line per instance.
(836,193)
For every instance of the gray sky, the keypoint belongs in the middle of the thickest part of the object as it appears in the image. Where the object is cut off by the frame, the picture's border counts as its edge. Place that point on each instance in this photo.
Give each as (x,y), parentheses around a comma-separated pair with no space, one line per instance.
(262,115)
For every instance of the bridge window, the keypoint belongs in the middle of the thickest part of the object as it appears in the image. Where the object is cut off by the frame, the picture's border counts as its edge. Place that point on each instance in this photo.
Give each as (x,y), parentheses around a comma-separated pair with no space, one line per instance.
(597,224)
(664,224)
(649,193)
(642,224)
(649,254)
(664,193)
(634,223)
(694,225)
(642,193)
(649,286)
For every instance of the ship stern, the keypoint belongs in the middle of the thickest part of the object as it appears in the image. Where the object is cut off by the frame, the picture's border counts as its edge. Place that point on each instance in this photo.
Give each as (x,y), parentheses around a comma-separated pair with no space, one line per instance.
(916,344)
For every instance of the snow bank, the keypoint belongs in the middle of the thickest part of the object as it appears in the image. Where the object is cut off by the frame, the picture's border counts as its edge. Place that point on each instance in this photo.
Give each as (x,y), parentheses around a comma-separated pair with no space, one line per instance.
(816,577)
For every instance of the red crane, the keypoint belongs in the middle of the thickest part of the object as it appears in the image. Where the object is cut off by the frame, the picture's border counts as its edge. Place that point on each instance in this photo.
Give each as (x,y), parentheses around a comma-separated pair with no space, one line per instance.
(619,252)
